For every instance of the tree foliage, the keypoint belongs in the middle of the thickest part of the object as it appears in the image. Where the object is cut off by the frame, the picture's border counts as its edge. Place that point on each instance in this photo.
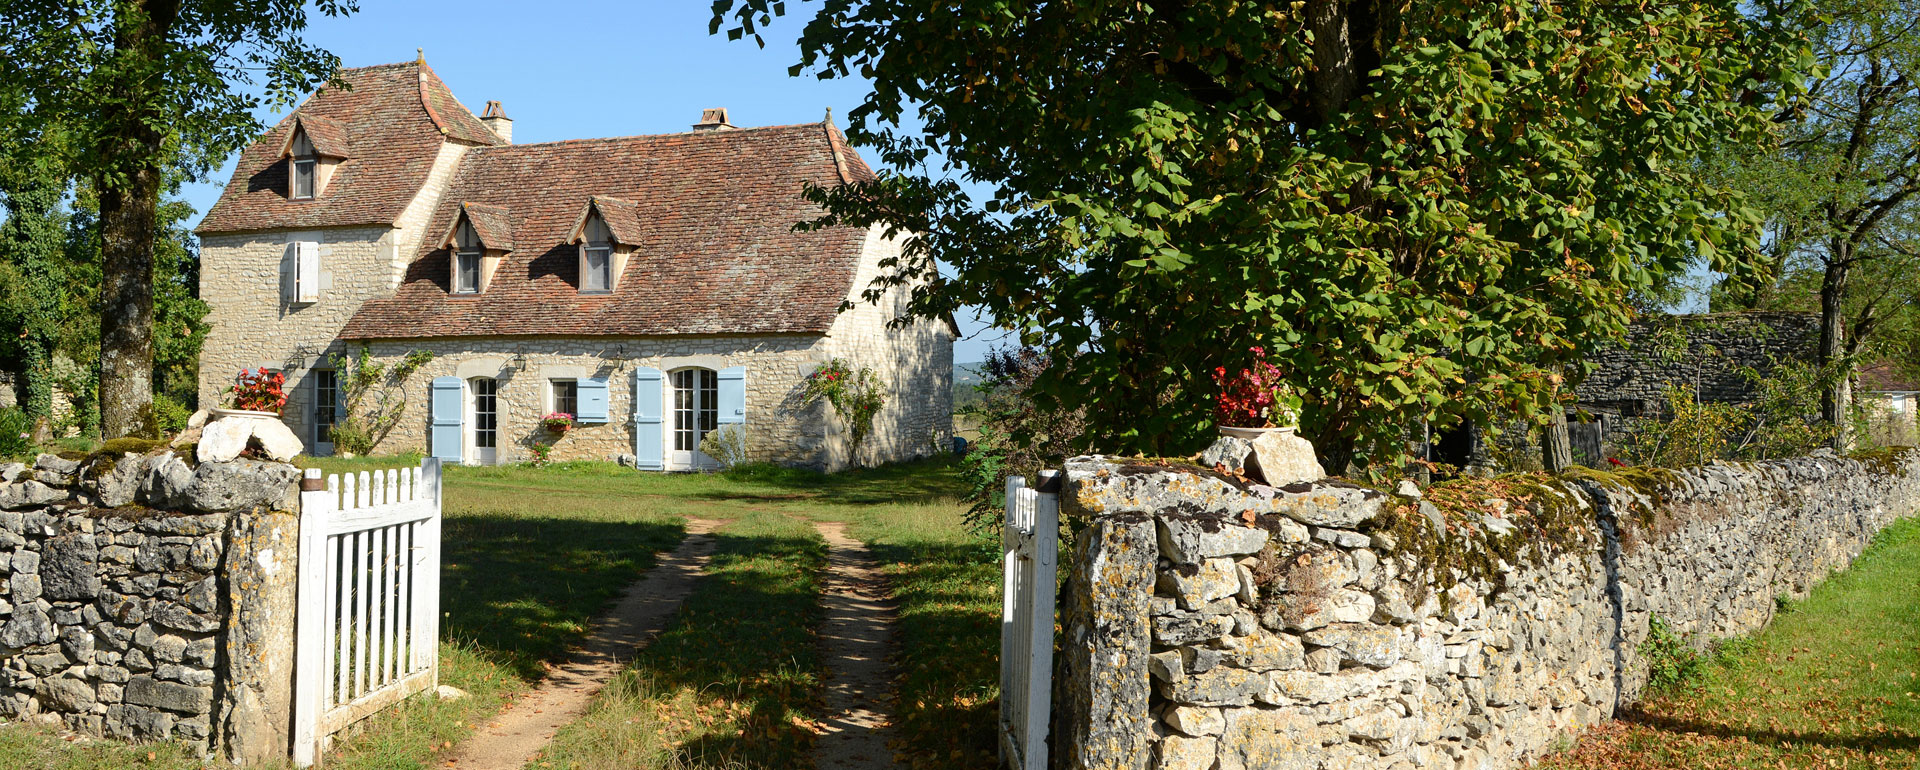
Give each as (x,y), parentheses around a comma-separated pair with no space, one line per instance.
(1422,211)
(1838,192)
(128,95)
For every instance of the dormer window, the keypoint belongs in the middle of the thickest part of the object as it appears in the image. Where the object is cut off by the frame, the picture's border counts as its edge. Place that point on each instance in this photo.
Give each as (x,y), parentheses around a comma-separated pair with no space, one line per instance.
(314,148)
(466,261)
(480,237)
(596,257)
(306,167)
(606,233)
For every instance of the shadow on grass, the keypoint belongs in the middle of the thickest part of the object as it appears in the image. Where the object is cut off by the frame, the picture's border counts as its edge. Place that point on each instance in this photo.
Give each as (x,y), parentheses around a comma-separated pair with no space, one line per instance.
(730,681)
(746,636)
(1869,742)
(526,589)
(948,653)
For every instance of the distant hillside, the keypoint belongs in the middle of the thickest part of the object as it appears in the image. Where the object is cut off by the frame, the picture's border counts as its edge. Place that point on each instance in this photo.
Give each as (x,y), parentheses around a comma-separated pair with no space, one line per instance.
(965,376)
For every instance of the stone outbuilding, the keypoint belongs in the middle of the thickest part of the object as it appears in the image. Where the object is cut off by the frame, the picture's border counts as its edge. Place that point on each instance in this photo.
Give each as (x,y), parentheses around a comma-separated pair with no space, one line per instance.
(653,286)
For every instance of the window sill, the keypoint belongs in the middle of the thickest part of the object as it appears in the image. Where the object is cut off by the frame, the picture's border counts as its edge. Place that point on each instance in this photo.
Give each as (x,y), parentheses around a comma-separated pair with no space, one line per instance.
(600,293)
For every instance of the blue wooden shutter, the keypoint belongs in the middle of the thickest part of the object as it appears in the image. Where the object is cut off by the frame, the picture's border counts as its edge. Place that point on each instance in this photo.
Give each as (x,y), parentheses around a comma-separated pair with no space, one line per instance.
(447,413)
(649,419)
(339,398)
(590,397)
(733,395)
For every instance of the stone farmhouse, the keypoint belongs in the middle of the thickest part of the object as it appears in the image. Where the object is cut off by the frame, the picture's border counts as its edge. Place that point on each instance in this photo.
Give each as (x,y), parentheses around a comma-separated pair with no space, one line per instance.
(654,286)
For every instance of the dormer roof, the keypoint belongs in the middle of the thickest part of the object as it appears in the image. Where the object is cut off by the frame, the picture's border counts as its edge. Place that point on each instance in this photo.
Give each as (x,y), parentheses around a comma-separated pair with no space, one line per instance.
(490,223)
(328,137)
(621,216)
(399,115)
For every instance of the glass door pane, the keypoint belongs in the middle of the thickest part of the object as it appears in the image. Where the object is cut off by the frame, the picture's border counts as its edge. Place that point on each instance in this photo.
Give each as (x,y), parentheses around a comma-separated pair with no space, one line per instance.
(486,415)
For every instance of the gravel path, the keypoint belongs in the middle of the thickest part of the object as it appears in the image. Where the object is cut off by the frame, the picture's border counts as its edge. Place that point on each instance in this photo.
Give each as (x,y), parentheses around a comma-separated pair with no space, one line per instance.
(855,641)
(514,735)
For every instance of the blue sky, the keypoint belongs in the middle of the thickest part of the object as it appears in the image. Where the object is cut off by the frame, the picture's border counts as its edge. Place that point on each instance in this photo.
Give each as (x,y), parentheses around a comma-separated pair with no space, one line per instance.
(570,70)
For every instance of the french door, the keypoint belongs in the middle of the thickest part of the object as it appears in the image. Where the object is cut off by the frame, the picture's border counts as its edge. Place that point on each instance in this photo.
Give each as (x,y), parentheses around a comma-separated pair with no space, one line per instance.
(696,411)
(484,413)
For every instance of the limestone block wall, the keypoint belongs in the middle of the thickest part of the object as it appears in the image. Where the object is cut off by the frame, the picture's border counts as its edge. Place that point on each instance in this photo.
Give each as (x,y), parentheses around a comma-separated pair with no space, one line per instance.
(144,598)
(252,324)
(1213,624)
(916,360)
(780,428)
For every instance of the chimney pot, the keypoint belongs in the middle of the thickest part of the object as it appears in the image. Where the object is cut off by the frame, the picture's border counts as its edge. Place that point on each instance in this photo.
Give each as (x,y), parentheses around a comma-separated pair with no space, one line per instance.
(495,117)
(713,119)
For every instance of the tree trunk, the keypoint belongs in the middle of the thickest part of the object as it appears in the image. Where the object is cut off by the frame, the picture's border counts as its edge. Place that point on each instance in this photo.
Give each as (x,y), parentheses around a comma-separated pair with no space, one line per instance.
(1836,396)
(129,204)
(1556,445)
(1335,77)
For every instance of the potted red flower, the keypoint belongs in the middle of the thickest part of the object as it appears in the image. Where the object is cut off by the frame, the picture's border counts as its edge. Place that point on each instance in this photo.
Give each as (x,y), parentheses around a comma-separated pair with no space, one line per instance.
(260,393)
(558,422)
(1255,400)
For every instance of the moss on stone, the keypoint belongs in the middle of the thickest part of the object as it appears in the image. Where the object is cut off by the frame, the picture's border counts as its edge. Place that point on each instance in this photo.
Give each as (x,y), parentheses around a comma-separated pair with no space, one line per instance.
(1885,461)
(1548,521)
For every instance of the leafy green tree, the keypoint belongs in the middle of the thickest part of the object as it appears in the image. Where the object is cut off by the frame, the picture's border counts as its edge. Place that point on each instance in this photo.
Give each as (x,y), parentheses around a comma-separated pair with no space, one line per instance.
(1421,210)
(1838,190)
(145,89)
(34,292)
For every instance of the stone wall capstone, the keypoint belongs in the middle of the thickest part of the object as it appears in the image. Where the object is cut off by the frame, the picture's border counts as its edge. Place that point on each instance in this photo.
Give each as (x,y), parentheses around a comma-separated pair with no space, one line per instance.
(1210,623)
(144,597)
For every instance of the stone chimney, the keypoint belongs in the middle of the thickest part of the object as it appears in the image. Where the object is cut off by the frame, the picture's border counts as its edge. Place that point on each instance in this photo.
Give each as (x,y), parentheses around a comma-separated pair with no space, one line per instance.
(496,119)
(713,119)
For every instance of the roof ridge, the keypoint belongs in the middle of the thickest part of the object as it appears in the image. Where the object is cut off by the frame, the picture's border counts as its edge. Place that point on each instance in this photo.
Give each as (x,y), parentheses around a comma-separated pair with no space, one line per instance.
(422,71)
(583,140)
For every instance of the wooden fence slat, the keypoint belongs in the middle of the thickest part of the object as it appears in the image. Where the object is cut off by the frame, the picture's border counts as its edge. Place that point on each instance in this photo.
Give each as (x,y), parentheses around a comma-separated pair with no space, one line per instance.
(1030,542)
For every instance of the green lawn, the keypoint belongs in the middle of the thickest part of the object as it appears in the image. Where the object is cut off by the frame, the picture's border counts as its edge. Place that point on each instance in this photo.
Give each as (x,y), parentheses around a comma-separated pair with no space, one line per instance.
(1833,682)
(532,555)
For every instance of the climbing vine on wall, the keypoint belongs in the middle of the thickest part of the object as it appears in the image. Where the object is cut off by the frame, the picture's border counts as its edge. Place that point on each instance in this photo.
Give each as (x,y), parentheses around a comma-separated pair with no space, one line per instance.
(855,395)
(375,397)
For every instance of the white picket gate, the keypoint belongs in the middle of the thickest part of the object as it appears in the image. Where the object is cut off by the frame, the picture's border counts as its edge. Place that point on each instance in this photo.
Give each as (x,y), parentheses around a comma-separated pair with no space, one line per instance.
(368,622)
(1032,543)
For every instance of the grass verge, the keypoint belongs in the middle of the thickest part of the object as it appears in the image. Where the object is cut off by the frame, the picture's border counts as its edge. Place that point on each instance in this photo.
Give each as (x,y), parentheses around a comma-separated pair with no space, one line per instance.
(1832,682)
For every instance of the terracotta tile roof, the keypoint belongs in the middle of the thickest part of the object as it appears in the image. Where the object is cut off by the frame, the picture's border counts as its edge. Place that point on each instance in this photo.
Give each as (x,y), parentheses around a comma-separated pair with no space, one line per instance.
(397,114)
(490,223)
(1884,376)
(328,137)
(622,218)
(717,250)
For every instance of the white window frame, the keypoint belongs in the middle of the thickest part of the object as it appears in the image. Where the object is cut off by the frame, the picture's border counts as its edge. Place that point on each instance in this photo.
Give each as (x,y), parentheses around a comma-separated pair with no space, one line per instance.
(307,169)
(470,427)
(477,255)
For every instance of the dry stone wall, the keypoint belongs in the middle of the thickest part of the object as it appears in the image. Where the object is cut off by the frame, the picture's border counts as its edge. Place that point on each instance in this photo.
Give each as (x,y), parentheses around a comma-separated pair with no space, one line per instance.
(144,597)
(1215,624)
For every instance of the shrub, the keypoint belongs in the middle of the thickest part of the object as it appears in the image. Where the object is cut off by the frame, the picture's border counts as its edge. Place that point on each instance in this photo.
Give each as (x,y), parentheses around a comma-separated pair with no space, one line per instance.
(169,415)
(726,443)
(1671,663)
(16,433)
(349,438)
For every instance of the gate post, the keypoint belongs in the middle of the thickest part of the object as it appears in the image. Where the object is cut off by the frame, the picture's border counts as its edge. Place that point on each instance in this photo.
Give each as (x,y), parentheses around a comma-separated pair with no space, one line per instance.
(317,505)
(1031,539)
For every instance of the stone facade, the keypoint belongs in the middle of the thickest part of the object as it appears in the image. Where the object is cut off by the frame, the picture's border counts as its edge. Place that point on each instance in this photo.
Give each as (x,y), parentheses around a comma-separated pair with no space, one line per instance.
(1211,624)
(915,361)
(144,598)
(251,323)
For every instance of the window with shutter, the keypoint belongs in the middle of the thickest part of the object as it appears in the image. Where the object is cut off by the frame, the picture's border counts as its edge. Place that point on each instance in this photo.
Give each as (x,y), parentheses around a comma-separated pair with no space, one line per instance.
(591,397)
(306,272)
